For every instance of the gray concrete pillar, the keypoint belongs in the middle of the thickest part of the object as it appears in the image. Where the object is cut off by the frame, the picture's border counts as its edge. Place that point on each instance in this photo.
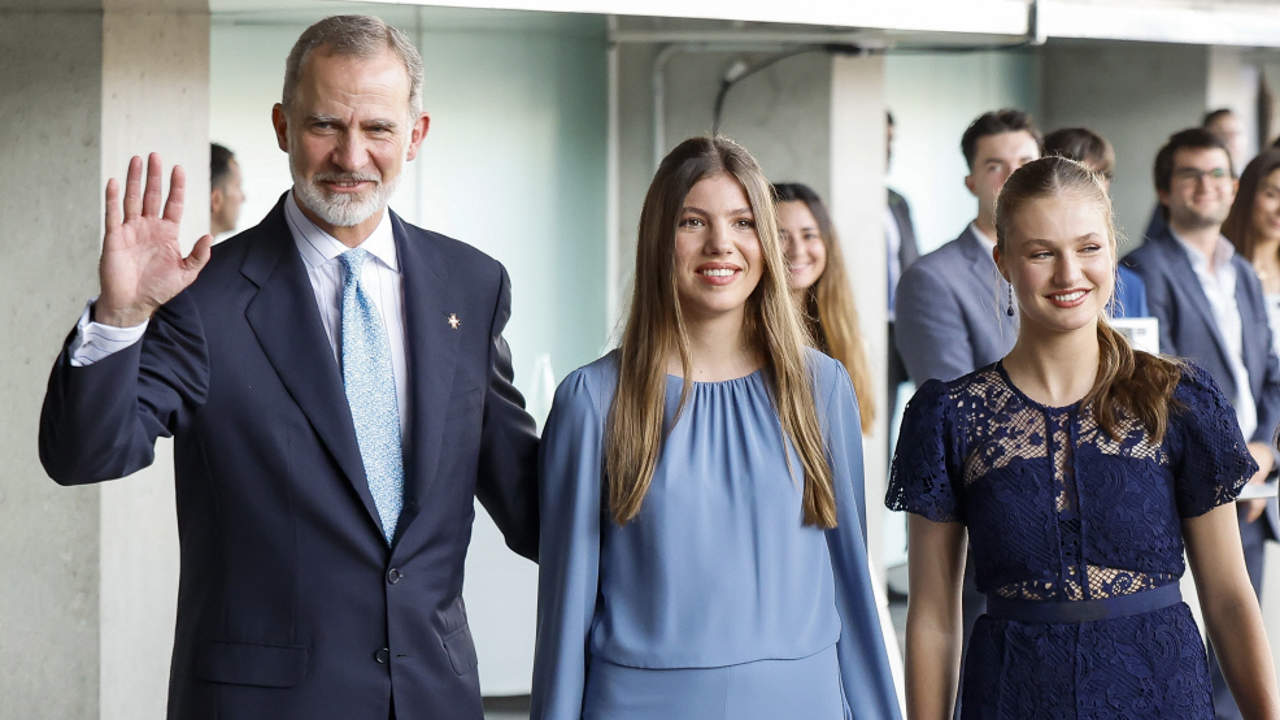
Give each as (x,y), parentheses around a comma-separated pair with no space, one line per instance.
(87,620)
(856,146)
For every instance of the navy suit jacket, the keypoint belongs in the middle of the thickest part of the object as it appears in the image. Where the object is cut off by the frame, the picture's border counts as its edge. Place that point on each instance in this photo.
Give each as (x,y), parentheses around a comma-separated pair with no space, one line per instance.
(290,602)
(950,312)
(1188,329)
(908,249)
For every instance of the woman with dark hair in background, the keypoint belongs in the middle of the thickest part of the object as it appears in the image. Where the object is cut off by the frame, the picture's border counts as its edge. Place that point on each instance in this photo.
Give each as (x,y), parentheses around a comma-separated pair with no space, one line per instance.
(1096,153)
(1081,469)
(1253,226)
(703,548)
(820,286)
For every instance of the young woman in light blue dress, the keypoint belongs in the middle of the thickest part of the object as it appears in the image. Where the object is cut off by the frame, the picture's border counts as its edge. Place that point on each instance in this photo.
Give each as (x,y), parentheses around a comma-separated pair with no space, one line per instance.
(703,550)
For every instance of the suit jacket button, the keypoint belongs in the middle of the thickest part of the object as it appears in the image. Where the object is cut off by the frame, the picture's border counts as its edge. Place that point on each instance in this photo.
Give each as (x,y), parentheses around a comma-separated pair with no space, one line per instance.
(382,656)
(394,575)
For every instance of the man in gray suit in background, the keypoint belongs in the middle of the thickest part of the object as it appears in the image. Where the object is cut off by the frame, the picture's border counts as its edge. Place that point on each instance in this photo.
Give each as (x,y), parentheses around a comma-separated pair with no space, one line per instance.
(953,311)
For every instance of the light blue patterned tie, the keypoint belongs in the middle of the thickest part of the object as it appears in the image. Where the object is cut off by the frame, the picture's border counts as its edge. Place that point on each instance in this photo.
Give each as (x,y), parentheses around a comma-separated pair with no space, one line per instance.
(371,393)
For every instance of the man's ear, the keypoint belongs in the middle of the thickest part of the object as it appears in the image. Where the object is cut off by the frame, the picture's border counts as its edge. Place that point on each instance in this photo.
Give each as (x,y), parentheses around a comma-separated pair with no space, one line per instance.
(969,184)
(417,134)
(281,124)
(216,198)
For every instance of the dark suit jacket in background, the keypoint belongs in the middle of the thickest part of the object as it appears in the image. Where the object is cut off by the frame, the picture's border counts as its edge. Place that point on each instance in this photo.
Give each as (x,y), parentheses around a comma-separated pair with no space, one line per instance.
(1189,329)
(290,603)
(908,249)
(950,313)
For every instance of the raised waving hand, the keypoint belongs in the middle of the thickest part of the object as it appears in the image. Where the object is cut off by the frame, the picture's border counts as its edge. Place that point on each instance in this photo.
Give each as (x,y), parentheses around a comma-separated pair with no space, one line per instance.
(142,266)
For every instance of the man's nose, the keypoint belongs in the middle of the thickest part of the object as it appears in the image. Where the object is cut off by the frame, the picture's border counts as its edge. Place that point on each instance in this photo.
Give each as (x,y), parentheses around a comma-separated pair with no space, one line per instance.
(351,152)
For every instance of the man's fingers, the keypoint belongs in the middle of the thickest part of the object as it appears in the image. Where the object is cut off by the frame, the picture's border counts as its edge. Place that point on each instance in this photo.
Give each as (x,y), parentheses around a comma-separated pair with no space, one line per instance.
(151,197)
(199,256)
(113,205)
(177,191)
(133,189)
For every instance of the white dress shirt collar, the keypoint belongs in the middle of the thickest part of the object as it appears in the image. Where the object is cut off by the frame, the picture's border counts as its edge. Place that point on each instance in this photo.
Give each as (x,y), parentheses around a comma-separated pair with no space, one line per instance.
(318,247)
(1222,252)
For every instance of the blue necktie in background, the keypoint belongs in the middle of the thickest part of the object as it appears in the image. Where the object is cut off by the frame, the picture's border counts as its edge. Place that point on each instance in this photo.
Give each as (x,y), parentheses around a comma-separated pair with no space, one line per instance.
(371,393)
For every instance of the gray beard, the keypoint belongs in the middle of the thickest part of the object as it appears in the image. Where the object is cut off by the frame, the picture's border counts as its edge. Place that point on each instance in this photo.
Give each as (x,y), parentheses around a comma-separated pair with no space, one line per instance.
(341,210)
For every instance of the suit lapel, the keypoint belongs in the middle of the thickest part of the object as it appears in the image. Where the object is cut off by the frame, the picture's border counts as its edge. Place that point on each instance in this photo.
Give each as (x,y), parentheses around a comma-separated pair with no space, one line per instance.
(1186,280)
(286,321)
(990,289)
(432,346)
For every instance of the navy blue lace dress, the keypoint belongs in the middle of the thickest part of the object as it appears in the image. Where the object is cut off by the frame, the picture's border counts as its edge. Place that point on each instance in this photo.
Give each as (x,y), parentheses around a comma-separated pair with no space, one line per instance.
(1076,541)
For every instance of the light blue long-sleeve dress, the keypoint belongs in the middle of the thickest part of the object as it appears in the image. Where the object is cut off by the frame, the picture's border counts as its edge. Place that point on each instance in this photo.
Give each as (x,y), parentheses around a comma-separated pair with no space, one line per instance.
(715,601)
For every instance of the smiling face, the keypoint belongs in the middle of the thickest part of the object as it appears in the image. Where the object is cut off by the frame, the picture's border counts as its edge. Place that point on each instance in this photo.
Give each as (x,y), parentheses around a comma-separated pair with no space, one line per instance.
(1266,209)
(718,260)
(1200,188)
(802,244)
(348,133)
(1060,258)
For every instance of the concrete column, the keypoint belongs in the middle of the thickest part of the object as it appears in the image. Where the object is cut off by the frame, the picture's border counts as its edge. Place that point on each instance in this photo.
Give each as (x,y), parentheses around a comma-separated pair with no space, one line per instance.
(856,147)
(155,70)
(88,628)
(50,214)
(1233,75)
(1133,94)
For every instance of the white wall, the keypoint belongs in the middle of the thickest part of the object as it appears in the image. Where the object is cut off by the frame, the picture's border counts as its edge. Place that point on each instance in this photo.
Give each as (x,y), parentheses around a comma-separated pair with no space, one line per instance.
(934,97)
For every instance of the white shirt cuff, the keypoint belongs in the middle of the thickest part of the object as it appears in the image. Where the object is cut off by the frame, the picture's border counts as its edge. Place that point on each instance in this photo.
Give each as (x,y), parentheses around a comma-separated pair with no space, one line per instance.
(95,341)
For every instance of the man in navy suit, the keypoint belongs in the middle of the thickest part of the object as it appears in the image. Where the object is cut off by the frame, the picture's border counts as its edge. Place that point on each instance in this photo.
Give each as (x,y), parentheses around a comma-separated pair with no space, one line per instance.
(1210,306)
(339,391)
(954,313)
(901,250)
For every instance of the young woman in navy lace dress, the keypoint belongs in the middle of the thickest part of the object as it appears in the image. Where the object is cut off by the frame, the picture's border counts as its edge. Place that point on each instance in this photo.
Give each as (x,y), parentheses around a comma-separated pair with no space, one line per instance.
(1080,470)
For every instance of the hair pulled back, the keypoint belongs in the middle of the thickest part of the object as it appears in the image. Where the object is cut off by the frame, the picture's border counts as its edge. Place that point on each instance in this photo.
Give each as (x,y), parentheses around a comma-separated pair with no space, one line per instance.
(1137,382)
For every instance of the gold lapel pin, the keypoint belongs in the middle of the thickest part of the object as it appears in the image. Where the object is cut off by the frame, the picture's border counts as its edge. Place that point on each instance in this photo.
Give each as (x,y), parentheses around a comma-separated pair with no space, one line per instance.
(454,322)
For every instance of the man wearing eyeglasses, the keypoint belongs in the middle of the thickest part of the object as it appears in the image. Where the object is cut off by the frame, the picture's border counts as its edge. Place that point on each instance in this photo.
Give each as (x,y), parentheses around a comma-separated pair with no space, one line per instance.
(1210,307)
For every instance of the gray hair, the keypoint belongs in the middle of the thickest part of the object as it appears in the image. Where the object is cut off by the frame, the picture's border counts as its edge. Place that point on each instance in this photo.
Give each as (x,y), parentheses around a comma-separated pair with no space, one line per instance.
(359,35)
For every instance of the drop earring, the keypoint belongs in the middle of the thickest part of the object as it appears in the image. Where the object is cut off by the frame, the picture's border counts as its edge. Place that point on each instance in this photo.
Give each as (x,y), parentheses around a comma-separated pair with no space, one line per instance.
(1008,308)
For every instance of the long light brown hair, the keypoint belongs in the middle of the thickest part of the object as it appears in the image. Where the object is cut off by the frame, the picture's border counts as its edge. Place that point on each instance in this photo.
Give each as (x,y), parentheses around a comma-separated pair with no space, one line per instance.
(656,330)
(1138,382)
(828,307)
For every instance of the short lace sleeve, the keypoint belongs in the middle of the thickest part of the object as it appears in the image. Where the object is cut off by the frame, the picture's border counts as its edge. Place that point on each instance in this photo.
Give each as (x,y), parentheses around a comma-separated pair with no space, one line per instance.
(920,482)
(1211,462)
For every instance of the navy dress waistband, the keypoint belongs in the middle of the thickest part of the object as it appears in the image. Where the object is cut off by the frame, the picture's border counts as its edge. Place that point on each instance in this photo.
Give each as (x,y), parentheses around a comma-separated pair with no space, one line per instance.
(1051,611)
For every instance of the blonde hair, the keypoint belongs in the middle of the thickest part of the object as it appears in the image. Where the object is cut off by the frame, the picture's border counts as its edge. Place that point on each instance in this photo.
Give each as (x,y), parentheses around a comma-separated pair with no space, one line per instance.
(1138,382)
(656,329)
(830,312)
